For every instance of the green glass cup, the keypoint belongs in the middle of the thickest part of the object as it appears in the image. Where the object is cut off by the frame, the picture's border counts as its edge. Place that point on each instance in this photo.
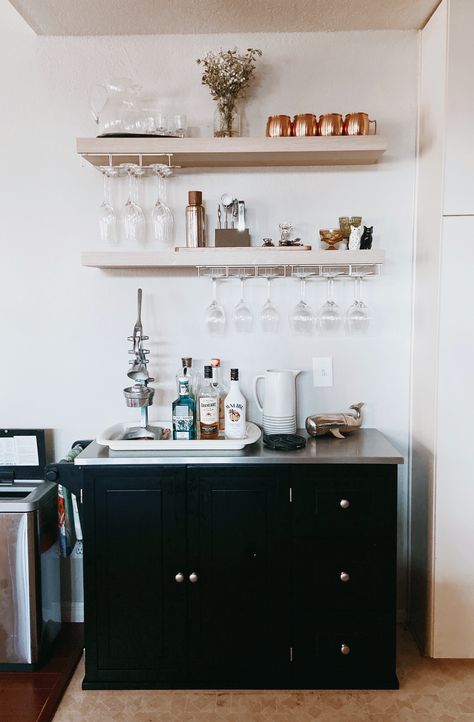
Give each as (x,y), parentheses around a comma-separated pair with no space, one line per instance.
(345,223)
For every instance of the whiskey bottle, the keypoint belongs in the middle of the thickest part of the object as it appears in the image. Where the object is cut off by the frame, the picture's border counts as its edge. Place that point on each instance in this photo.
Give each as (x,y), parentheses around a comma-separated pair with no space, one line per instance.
(208,407)
(235,409)
(184,413)
(221,391)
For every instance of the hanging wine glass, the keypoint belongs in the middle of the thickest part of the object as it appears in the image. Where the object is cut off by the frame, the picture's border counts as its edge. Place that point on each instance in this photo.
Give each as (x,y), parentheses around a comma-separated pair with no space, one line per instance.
(162,216)
(134,218)
(357,316)
(107,215)
(330,315)
(269,316)
(215,315)
(242,315)
(302,318)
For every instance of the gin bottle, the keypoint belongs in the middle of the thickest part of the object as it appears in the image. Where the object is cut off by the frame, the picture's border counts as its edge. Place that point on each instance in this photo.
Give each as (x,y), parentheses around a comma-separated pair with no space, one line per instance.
(208,407)
(184,413)
(235,409)
(186,369)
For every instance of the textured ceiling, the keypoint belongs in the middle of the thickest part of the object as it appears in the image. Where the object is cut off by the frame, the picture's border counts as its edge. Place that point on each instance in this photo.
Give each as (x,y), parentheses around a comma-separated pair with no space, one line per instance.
(146,17)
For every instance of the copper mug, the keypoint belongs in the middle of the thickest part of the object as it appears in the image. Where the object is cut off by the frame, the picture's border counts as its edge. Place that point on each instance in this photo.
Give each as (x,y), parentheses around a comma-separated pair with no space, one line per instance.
(278,126)
(305,124)
(358,124)
(331,124)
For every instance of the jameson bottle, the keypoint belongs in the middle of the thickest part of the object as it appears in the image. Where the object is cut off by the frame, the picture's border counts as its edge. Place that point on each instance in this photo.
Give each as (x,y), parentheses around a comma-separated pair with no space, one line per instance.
(184,413)
(208,407)
(222,393)
(235,408)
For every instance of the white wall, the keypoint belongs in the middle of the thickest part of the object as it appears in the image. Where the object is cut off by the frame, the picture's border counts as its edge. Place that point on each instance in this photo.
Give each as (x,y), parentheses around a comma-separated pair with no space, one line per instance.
(64,351)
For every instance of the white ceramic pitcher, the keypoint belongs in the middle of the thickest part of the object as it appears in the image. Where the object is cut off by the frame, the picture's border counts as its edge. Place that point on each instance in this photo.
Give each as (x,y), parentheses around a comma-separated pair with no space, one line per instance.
(279,400)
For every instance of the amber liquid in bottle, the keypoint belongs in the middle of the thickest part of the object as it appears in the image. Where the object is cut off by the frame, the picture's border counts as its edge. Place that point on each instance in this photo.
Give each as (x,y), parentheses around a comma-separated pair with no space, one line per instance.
(208,406)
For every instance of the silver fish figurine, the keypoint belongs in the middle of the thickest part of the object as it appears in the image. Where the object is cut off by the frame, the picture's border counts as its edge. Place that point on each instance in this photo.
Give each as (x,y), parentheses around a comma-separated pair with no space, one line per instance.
(335,424)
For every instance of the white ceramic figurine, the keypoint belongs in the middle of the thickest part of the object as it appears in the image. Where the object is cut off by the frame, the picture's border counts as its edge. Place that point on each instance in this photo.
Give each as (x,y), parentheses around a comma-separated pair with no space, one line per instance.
(354,238)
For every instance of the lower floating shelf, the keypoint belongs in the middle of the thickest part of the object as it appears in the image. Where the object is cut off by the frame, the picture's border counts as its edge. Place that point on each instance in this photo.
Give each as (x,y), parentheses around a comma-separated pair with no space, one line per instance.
(230,258)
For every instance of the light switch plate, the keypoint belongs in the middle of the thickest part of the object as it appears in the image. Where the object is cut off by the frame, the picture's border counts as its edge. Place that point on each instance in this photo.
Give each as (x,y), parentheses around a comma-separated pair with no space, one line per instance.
(322,371)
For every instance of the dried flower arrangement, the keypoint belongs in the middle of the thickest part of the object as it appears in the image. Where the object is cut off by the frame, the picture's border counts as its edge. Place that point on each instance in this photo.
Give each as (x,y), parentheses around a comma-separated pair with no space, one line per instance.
(228,73)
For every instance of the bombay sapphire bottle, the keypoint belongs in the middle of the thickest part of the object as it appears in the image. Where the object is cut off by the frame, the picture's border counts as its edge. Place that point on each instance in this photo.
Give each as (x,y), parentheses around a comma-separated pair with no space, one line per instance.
(184,413)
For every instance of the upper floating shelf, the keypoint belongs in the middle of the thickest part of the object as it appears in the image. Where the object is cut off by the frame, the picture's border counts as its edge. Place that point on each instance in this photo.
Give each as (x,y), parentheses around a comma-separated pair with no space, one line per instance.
(234,152)
(227,257)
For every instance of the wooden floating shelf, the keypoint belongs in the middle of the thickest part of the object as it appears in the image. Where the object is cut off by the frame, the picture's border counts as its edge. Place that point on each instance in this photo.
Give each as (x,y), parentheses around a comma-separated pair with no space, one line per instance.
(229,257)
(234,152)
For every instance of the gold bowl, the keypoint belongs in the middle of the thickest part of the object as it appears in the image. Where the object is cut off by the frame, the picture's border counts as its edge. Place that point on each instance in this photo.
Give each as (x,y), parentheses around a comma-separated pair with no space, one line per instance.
(331,236)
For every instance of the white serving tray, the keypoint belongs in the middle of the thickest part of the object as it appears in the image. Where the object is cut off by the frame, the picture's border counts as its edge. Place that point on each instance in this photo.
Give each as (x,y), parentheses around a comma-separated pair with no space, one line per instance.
(112,437)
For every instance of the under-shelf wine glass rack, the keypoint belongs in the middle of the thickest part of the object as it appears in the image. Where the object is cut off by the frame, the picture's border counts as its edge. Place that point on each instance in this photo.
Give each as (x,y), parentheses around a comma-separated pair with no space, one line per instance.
(289,271)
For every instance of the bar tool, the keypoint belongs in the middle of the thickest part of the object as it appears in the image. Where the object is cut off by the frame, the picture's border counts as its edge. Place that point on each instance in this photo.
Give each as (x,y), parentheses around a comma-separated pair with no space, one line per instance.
(240,215)
(140,395)
(227,201)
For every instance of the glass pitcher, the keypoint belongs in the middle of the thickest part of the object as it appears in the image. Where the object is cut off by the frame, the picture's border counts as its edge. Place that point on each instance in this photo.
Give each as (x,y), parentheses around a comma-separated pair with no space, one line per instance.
(115,107)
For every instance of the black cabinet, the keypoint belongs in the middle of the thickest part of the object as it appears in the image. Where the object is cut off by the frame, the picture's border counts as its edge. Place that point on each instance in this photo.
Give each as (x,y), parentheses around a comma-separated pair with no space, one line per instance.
(265,575)
(135,544)
(238,537)
(344,563)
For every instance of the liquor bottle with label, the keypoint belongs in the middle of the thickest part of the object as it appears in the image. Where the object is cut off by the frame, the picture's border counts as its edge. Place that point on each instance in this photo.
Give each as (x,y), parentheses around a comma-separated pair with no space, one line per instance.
(222,393)
(184,413)
(186,369)
(235,406)
(208,407)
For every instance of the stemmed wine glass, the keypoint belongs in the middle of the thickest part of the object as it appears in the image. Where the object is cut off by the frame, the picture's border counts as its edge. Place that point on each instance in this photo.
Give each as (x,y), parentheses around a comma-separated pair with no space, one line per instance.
(215,314)
(135,224)
(302,318)
(269,316)
(330,316)
(242,314)
(162,216)
(357,315)
(107,215)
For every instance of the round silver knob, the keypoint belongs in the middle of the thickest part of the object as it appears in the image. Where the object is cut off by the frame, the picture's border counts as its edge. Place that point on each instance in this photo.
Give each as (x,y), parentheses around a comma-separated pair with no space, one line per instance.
(193,578)
(345,649)
(179,577)
(344,503)
(344,577)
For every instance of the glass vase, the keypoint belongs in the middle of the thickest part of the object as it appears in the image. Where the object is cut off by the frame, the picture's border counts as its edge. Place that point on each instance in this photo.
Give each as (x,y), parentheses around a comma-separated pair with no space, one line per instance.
(226,122)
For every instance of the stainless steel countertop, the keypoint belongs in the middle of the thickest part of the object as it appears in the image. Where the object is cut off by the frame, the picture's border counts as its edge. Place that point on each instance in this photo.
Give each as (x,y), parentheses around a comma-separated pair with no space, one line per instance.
(366,446)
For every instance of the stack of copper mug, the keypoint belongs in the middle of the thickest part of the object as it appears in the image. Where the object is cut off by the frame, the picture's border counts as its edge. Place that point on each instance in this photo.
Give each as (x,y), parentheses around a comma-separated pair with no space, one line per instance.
(308,124)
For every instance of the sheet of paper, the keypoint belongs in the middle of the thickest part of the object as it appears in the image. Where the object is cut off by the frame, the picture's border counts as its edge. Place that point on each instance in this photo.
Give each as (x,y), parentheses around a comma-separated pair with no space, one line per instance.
(19,451)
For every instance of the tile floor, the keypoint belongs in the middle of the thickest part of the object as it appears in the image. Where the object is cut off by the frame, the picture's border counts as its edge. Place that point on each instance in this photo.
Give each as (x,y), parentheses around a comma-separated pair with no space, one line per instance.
(430,691)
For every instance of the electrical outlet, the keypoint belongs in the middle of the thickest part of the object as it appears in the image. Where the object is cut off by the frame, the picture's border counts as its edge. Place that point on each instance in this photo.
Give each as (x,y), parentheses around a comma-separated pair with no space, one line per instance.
(322,371)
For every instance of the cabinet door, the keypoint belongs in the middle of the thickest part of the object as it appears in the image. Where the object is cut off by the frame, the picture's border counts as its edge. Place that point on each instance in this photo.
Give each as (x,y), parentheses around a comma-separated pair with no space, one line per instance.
(453,594)
(239,521)
(459,168)
(136,605)
(344,571)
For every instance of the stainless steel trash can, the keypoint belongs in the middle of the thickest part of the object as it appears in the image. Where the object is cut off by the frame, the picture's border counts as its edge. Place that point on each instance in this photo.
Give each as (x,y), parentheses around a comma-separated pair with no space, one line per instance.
(30,608)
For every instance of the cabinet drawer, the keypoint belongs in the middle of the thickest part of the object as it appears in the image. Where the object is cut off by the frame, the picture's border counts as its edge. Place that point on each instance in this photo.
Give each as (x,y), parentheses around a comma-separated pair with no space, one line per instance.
(347,501)
(360,582)
(349,657)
